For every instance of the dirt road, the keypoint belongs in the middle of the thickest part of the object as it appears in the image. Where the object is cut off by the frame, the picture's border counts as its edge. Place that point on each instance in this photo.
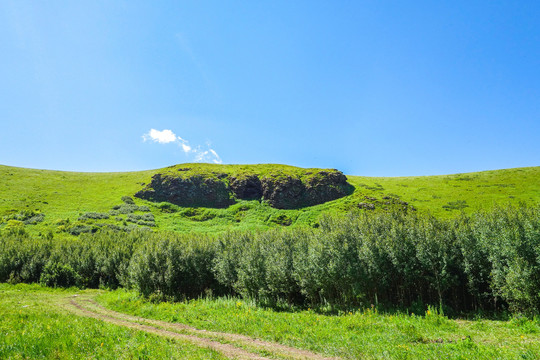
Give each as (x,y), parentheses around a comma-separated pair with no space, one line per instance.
(233,346)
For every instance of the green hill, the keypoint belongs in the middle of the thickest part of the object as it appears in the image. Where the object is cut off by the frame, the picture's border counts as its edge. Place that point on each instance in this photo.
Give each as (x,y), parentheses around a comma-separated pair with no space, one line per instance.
(251,196)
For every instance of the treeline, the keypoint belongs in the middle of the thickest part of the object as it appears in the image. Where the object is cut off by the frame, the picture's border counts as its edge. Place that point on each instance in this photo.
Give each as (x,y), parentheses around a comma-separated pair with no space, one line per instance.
(487,261)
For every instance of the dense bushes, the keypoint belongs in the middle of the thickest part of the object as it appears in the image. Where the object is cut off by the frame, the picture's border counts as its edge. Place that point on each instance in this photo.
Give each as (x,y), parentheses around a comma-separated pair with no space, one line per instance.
(173,267)
(487,261)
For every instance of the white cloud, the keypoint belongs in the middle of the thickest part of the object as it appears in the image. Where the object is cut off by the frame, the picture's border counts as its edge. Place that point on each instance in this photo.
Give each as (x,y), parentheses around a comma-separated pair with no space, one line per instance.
(216,158)
(207,156)
(186,147)
(199,155)
(162,137)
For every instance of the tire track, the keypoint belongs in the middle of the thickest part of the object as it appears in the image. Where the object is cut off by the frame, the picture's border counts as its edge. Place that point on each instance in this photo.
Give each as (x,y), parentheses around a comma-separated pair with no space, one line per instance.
(226,349)
(198,336)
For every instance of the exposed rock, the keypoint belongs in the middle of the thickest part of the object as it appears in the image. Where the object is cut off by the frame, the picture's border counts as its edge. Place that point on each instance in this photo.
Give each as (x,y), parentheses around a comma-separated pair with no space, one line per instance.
(283,192)
(246,187)
(291,192)
(280,190)
(191,191)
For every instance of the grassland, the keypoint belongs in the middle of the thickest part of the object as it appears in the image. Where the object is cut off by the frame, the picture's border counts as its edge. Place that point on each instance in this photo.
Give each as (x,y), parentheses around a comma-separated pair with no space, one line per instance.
(34,324)
(64,196)
(38,322)
(364,334)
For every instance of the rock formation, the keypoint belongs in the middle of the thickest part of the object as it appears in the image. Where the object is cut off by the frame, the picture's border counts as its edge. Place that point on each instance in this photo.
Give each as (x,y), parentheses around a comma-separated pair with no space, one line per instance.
(279,189)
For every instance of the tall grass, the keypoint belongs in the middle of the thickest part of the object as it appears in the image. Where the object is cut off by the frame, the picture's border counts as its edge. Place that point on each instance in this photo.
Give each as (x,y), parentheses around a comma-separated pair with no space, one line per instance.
(482,262)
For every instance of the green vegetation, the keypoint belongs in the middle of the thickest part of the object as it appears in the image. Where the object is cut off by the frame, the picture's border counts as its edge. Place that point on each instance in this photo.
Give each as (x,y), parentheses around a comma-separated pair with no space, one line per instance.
(365,334)
(61,204)
(468,192)
(340,278)
(486,262)
(34,324)
(39,322)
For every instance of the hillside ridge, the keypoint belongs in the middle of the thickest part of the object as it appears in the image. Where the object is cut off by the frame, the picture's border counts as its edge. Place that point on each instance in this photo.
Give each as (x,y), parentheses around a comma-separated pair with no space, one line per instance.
(66,203)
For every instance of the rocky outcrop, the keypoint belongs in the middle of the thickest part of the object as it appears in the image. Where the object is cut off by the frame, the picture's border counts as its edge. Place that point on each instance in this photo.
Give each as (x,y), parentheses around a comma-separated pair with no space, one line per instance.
(279,189)
(291,192)
(246,187)
(192,191)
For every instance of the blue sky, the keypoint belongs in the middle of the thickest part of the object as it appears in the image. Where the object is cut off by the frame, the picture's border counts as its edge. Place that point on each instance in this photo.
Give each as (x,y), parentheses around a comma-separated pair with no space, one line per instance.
(382,88)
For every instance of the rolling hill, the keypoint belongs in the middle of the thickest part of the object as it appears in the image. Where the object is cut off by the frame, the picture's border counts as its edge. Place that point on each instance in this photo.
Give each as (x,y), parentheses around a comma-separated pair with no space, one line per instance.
(248,196)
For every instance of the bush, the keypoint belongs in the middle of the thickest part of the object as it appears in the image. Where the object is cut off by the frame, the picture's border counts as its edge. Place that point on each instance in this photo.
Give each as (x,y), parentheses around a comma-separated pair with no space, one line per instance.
(174,267)
(144,219)
(128,200)
(127,208)
(28,217)
(93,216)
(168,207)
(487,261)
(77,229)
(59,275)
(144,208)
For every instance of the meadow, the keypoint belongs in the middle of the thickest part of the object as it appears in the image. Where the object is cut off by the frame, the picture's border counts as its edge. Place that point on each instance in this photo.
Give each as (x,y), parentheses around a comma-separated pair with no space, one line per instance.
(410,267)
(69,202)
(40,322)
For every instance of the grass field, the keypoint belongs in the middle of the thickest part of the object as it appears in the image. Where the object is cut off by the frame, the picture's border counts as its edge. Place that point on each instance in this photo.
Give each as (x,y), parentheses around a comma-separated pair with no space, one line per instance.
(39,322)
(62,197)
(34,324)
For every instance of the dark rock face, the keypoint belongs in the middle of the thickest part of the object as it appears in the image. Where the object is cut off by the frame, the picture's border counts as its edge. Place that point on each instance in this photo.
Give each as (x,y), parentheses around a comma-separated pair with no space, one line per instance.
(246,187)
(283,193)
(279,190)
(192,191)
(290,192)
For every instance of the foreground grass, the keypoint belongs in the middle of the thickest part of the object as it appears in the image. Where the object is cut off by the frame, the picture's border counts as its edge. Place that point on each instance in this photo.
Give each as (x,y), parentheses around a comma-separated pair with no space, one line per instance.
(353,335)
(34,325)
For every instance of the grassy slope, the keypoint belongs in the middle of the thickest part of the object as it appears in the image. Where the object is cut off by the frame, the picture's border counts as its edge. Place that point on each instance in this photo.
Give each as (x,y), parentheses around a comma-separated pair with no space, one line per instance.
(479,190)
(67,195)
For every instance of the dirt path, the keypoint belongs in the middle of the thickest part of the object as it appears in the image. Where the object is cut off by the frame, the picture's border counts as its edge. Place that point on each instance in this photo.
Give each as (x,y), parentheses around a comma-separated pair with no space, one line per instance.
(237,346)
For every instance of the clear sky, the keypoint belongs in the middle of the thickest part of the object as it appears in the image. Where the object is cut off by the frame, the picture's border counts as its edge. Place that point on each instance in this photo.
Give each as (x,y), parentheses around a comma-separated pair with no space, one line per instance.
(368,87)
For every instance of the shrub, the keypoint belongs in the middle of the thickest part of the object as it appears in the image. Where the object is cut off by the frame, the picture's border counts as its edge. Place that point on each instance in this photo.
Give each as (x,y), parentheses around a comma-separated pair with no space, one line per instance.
(487,261)
(173,266)
(168,207)
(127,208)
(144,219)
(59,275)
(128,200)
(77,229)
(281,219)
(28,217)
(93,215)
